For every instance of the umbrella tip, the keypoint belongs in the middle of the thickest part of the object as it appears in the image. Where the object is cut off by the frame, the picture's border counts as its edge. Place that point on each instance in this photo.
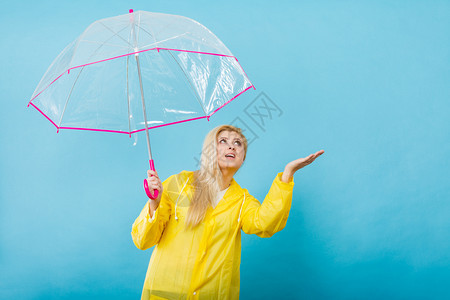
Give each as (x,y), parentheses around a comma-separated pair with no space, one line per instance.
(131,11)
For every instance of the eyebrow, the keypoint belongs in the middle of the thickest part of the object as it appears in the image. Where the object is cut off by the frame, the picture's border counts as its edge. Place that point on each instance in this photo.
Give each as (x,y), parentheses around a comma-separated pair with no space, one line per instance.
(223,137)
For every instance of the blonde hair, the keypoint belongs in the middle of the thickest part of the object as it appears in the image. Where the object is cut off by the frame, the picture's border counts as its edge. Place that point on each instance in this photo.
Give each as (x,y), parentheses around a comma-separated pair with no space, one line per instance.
(208,178)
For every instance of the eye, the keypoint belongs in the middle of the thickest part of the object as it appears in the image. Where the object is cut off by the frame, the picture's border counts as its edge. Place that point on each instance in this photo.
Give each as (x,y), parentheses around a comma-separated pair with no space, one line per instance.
(238,143)
(222,140)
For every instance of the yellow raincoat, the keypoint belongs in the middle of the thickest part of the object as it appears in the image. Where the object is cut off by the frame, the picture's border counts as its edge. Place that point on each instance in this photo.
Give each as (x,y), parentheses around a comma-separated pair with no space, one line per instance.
(203,263)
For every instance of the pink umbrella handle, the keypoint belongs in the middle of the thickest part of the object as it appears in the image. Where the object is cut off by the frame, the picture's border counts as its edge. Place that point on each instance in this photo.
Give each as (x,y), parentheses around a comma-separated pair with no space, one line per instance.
(146,188)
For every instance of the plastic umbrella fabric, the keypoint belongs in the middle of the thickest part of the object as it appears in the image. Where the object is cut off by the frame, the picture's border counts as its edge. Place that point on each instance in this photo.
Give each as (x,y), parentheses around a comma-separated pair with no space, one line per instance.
(139,71)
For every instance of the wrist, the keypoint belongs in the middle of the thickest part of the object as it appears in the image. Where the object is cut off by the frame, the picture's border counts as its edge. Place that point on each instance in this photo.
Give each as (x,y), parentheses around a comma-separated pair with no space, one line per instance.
(152,206)
(154,203)
(287,175)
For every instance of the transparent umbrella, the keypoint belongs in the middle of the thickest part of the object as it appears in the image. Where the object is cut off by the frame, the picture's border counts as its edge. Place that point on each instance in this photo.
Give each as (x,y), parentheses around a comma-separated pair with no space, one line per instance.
(139,71)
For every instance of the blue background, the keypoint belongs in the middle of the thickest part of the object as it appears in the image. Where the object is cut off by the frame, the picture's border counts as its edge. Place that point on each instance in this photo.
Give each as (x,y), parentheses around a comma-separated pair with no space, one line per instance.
(367,81)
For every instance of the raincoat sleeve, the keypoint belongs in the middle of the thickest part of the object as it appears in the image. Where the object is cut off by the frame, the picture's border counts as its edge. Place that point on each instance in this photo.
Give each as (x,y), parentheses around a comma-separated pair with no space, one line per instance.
(271,216)
(146,232)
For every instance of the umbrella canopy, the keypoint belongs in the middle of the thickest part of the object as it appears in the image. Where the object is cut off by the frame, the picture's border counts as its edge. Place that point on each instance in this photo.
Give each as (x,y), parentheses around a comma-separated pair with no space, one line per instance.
(187,73)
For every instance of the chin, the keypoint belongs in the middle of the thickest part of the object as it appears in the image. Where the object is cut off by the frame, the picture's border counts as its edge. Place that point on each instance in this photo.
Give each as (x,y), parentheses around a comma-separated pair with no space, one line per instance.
(230,166)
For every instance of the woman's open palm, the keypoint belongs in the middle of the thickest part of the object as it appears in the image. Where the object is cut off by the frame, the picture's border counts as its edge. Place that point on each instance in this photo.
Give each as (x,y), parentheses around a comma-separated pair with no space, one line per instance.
(297,164)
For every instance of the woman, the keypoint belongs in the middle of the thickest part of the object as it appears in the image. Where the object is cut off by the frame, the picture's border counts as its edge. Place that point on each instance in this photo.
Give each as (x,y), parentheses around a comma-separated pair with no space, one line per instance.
(196,221)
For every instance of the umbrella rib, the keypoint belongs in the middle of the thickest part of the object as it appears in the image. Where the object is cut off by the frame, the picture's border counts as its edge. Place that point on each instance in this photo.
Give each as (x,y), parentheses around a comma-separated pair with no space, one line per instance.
(167,25)
(137,36)
(104,44)
(101,45)
(152,35)
(116,34)
(190,83)
(141,28)
(68,97)
(168,39)
(128,91)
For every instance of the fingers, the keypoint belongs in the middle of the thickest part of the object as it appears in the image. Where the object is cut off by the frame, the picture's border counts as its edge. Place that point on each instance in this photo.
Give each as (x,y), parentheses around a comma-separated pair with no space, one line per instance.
(315,155)
(297,164)
(154,183)
(151,173)
(319,153)
(310,158)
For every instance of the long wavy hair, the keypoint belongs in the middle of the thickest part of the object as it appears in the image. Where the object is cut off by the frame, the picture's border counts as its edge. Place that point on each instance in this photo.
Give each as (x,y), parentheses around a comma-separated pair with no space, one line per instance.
(208,178)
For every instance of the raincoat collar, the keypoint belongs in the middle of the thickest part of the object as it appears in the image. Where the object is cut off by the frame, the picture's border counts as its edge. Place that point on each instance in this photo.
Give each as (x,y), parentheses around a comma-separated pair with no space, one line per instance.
(234,193)
(234,190)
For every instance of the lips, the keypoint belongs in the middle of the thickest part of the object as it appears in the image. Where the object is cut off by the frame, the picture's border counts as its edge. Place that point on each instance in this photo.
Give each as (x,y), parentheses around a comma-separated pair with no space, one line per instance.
(230,155)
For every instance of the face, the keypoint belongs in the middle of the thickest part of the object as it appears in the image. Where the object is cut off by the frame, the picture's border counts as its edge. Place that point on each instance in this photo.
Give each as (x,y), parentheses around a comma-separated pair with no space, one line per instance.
(230,150)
